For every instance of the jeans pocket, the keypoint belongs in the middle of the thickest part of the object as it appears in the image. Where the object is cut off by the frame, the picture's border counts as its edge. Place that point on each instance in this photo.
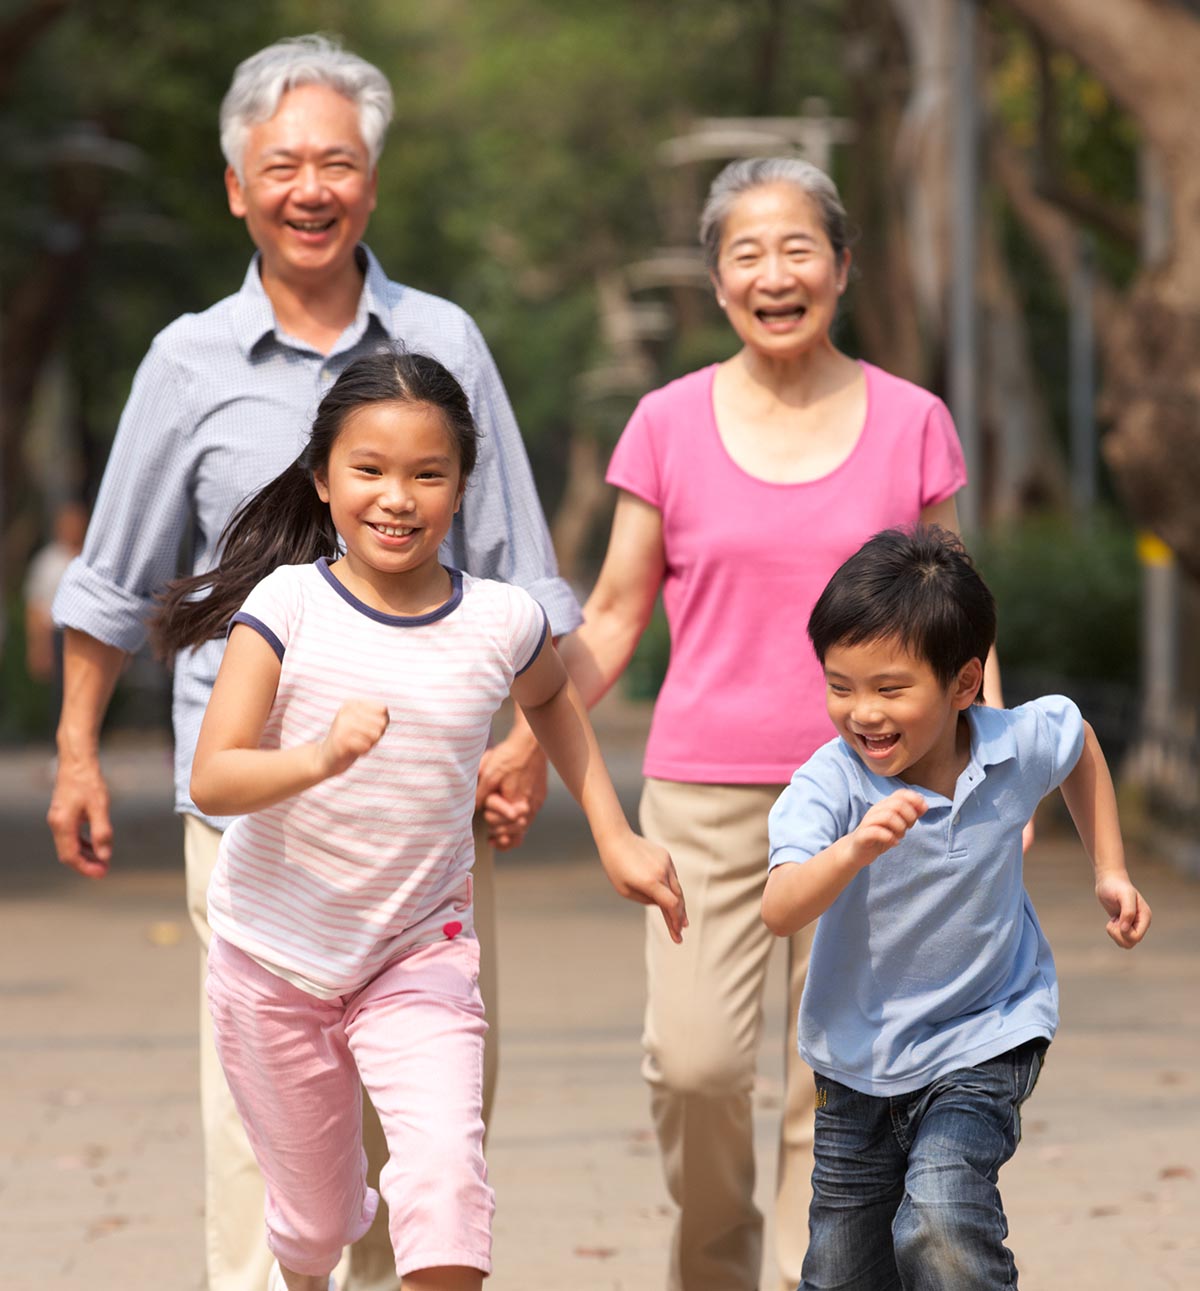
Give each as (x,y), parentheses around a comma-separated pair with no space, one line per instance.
(1035,1059)
(1027,1067)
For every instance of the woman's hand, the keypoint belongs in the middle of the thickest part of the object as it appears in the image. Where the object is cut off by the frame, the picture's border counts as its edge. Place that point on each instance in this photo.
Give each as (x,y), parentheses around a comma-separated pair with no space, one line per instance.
(358,726)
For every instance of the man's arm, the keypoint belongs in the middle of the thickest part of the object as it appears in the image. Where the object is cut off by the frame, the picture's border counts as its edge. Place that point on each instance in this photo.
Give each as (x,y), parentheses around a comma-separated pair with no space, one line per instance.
(78,815)
(106,595)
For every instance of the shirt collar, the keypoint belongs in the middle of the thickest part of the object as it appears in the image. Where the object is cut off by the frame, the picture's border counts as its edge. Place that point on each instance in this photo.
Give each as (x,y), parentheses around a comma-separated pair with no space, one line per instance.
(992,742)
(992,739)
(254,318)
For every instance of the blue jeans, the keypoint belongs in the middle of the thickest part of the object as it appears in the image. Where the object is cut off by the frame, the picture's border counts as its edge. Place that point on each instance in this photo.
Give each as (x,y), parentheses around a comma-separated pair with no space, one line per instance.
(904,1189)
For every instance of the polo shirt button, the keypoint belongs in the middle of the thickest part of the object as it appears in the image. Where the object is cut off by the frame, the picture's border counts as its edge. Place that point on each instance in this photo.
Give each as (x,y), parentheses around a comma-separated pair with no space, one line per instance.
(452,929)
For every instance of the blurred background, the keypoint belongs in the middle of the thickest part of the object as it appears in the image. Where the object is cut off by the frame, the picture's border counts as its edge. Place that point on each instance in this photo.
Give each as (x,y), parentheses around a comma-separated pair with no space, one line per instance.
(1024,179)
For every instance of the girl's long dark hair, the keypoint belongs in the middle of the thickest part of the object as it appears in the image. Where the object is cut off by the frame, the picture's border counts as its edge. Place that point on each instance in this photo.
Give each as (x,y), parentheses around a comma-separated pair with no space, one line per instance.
(286,523)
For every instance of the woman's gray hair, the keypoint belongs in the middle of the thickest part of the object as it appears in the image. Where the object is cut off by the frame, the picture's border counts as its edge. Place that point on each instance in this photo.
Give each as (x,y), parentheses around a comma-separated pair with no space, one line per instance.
(741,176)
(264,78)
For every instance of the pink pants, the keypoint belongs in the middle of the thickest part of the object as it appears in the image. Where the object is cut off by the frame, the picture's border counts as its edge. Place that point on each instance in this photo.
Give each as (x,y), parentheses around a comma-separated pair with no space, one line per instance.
(413,1036)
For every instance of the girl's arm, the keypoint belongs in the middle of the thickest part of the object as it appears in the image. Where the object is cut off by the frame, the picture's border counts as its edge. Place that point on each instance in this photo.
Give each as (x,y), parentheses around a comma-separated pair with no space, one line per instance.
(231,775)
(638,869)
(1092,801)
(796,894)
(615,617)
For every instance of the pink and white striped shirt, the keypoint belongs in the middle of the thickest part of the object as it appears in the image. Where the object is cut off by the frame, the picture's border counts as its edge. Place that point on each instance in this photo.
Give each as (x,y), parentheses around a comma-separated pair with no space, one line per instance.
(327,887)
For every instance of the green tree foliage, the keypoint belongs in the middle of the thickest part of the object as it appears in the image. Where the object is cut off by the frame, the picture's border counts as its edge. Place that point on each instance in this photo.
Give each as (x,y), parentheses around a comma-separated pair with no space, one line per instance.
(521,162)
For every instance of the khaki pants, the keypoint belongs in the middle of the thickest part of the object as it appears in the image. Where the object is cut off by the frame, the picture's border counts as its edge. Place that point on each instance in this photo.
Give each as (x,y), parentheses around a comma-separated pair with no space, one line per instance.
(703,1023)
(235,1228)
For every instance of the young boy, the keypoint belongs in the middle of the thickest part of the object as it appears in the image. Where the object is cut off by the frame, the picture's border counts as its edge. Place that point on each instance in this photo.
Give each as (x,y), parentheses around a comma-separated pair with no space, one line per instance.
(931,993)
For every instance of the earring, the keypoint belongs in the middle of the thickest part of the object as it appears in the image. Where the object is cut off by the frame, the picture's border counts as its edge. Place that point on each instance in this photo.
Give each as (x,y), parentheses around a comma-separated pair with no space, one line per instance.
(721,302)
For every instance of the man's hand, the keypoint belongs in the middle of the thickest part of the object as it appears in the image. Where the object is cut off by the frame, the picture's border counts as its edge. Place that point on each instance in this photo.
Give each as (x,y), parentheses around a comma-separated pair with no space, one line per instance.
(79,816)
(511,787)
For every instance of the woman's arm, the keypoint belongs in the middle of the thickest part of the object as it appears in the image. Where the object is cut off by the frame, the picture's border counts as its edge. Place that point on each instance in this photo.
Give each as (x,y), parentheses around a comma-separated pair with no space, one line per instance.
(1092,801)
(231,775)
(620,606)
(639,870)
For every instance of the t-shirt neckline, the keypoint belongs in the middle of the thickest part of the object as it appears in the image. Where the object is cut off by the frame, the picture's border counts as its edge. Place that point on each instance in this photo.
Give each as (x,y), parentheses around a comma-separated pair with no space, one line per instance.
(394,620)
(856,448)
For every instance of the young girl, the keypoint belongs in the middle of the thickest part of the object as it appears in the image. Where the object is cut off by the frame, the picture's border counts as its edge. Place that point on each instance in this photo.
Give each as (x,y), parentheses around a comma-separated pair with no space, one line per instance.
(345,730)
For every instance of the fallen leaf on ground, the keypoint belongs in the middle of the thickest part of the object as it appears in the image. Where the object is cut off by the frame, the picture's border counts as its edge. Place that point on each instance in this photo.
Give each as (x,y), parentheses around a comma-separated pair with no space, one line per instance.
(166,932)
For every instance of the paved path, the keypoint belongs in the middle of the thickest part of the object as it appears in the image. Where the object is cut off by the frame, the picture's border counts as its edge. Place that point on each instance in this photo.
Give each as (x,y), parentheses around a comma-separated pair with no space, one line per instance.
(99,1143)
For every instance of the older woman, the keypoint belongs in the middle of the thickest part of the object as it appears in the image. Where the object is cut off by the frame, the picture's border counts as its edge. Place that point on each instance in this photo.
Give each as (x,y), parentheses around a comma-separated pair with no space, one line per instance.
(743,487)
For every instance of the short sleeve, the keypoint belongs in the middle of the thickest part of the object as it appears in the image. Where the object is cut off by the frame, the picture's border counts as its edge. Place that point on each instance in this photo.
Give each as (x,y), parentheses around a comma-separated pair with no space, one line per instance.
(812,813)
(943,467)
(634,463)
(1059,737)
(528,629)
(270,609)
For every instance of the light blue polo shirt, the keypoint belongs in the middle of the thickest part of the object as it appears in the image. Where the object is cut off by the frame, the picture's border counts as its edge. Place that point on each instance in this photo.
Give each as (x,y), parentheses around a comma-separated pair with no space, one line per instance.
(932,958)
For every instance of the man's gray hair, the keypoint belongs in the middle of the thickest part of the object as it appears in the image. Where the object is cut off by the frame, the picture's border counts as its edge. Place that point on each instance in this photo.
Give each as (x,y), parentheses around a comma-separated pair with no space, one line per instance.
(264,78)
(741,176)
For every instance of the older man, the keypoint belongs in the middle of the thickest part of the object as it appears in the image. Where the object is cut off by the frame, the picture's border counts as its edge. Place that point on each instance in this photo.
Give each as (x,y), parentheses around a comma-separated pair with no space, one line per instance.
(219,406)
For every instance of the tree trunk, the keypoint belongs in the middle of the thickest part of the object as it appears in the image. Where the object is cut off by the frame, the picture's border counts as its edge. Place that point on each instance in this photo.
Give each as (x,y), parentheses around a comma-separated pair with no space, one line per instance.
(1147,53)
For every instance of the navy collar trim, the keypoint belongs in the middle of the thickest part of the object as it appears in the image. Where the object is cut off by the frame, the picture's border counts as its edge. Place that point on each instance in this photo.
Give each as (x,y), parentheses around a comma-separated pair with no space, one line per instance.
(394,620)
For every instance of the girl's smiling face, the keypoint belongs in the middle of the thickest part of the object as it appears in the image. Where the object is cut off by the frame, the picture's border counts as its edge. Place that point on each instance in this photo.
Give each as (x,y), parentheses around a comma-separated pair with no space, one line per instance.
(895,713)
(393,483)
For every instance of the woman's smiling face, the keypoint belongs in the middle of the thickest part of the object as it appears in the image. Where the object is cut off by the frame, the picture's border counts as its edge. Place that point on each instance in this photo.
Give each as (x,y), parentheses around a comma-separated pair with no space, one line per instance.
(777,272)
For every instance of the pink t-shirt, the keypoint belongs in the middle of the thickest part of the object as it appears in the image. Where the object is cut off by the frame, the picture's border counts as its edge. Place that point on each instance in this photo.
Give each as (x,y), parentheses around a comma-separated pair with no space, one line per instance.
(744,698)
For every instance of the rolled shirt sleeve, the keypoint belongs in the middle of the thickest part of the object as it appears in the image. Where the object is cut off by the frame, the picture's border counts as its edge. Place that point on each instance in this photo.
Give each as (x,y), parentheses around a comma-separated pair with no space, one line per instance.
(141,515)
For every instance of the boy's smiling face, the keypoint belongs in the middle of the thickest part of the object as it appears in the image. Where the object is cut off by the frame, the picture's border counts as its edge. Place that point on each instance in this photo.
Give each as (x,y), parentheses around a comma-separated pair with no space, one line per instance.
(895,713)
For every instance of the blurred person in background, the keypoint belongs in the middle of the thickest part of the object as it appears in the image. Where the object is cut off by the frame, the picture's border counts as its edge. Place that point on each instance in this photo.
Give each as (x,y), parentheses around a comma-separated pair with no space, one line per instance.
(219,406)
(43,640)
(743,486)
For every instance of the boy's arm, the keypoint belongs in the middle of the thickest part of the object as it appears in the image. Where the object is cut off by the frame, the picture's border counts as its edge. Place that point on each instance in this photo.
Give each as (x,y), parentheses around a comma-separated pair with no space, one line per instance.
(231,775)
(1092,801)
(638,869)
(796,894)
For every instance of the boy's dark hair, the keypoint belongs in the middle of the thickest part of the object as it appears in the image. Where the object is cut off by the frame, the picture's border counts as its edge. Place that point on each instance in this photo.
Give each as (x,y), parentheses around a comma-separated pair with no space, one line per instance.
(286,523)
(916,585)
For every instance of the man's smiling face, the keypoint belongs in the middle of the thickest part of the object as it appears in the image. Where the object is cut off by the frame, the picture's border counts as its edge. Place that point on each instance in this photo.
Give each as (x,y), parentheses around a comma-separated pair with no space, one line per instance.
(307,188)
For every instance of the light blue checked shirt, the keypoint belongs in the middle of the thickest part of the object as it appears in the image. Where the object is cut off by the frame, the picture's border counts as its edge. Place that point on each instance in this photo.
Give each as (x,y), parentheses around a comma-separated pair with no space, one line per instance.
(219,406)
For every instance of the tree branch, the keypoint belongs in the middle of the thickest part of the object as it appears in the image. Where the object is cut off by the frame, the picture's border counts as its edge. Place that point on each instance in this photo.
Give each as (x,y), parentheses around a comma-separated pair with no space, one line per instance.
(1145,51)
(21,30)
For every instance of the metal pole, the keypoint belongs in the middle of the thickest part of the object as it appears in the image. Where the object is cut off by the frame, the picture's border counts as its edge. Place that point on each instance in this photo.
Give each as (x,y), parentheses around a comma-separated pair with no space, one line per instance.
(1160,573)
(1082,382)
(963,332)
